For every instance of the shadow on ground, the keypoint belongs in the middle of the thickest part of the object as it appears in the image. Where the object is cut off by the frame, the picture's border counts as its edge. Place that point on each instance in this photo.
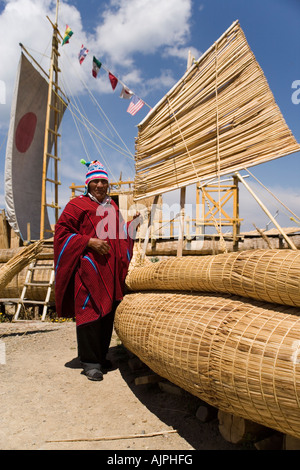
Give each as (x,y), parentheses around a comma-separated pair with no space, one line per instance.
(176,409)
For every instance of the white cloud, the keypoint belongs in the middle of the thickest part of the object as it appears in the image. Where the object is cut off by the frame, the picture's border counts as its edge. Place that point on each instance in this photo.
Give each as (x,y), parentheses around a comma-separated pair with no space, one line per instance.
(25,21)
(142,26)
(127,27)
(182,52)
(251,211)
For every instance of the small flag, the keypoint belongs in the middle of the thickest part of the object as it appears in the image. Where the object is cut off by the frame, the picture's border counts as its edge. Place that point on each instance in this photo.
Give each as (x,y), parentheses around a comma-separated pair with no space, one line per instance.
(126,93)
(135,105)
(113,80)
(82,54)
(96,67)
(68,34)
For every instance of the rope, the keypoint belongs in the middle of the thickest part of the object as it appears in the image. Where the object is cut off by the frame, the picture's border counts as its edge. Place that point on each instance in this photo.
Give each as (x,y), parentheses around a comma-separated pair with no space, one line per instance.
(86,123)
(183,140)
(218,227)
(221,241)
(270,192)
(74,108)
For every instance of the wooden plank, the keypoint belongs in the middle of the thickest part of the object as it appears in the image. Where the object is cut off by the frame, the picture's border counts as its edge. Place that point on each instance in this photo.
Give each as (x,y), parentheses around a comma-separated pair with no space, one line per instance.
(147,379)
(4,239)
(237,430)
(291,443)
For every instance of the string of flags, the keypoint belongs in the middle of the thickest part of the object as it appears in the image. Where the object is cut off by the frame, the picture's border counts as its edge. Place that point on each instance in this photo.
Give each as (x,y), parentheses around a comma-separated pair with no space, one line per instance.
(136,103)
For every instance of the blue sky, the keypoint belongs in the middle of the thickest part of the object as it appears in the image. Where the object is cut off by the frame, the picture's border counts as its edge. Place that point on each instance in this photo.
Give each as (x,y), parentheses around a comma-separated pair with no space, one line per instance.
(145,44)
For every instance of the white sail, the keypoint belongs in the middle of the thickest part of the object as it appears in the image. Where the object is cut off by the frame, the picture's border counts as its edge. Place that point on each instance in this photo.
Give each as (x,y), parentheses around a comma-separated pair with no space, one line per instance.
(24,153)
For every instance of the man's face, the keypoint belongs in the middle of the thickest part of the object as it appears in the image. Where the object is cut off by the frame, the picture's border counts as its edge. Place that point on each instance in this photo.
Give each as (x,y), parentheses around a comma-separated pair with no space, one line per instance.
(98,188)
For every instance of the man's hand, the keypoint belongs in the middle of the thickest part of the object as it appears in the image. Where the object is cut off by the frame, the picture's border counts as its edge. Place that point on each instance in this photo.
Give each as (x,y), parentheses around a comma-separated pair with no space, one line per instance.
(101,246)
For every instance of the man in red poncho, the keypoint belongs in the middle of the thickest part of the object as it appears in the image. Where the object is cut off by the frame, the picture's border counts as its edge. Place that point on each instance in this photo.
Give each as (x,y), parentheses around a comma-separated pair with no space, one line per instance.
(92,251)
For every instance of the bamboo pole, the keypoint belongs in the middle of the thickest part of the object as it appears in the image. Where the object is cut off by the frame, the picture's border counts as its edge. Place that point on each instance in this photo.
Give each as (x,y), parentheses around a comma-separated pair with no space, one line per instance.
(119,437)
(53,67)
(150,222)
(181,219)
(264,208)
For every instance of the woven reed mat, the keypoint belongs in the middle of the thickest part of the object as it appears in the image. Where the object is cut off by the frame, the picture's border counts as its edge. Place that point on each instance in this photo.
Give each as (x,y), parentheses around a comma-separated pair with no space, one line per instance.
(13,289)
(18,262)
(270,275)
(241,357)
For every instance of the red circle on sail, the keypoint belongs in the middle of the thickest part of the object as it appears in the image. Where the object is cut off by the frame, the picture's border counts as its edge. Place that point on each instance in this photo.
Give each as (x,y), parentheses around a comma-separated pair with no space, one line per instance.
(25,132)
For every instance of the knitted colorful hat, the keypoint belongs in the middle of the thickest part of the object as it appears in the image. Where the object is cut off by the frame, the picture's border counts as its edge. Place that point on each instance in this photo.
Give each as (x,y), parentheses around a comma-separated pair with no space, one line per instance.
(95,171)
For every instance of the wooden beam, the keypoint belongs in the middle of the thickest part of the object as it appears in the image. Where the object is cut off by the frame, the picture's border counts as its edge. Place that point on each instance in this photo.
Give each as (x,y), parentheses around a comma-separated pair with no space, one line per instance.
(181,222)
(150,222)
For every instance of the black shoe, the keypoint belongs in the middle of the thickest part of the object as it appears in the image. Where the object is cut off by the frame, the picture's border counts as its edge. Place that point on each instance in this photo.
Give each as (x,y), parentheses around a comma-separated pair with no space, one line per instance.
(94,374)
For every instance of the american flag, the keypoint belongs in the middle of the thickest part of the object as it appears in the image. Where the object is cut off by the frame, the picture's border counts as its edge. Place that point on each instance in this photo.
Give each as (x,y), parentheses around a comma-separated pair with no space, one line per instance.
(135,105)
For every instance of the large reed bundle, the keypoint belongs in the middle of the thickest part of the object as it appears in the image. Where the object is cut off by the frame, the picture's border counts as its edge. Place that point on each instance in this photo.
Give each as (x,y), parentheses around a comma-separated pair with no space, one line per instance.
(46,252)
(13,289)
(23,257)
(241,357)
(219,118)
(8,253)
(269,275)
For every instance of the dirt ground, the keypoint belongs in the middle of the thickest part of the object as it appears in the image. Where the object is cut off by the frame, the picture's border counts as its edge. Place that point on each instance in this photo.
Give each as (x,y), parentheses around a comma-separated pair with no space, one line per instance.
(46,400)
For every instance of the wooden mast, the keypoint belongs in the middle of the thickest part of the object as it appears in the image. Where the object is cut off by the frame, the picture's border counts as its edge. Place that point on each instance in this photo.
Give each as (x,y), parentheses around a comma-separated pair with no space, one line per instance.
(183,193)
(51,134)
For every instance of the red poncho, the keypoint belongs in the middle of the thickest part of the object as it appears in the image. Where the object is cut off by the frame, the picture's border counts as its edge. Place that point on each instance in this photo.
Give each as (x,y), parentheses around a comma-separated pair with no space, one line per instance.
(87,283)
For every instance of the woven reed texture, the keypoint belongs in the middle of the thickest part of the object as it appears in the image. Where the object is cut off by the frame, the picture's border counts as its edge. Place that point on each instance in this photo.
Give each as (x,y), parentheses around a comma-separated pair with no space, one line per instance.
(14,288)
(219,118)
(268,275)
(18,262)
(241,357)
(7,254)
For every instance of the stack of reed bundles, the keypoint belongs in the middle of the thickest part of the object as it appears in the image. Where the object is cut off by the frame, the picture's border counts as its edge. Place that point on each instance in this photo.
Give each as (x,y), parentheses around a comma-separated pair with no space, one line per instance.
(268,275)
(239,356)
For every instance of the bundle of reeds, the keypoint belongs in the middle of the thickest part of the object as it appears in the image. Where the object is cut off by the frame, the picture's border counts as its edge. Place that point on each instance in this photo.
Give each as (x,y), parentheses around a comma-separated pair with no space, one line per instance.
(241,357)
(7,254)
(23,257)
(13,289)
(269,275)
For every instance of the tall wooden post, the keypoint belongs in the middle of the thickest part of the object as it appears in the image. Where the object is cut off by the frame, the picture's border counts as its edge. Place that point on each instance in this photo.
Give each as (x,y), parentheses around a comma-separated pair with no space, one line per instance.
(182,194)
(51,134)
(181,220)
(236,215)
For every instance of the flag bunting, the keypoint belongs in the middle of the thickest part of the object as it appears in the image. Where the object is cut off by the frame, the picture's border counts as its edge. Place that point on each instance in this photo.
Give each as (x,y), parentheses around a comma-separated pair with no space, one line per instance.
(126,94)
(113,80)
(68,34)
(136,103)
(82,54)
(96,67)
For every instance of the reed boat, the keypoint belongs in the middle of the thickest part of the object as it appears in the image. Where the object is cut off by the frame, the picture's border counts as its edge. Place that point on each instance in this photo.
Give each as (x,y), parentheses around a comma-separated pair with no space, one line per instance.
(217,315)
(223,326)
